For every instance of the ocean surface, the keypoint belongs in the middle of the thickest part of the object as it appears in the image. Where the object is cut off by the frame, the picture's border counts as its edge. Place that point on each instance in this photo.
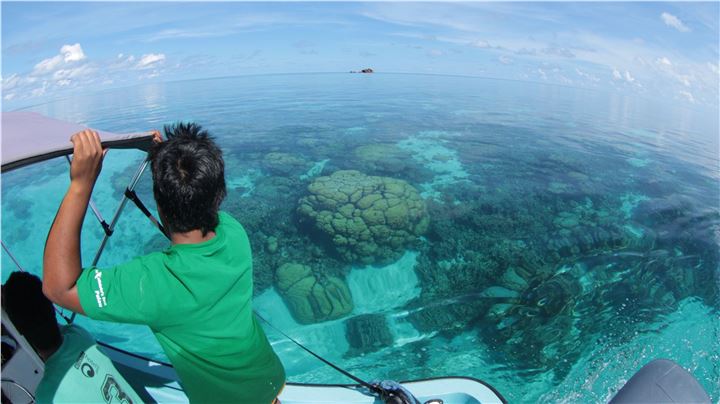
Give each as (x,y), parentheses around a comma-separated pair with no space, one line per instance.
(547,240)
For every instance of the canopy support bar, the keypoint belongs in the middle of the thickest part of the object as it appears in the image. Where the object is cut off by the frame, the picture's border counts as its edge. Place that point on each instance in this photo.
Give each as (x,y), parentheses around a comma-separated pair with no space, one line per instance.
(12,257)
(116,217)
(130,194)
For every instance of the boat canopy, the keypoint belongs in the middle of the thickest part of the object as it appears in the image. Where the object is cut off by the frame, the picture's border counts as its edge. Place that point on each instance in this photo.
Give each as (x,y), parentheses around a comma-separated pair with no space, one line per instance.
(29,137)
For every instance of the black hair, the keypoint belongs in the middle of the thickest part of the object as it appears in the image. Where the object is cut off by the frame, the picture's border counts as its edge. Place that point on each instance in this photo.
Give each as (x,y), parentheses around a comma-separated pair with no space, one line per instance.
(30,311)
(188,178)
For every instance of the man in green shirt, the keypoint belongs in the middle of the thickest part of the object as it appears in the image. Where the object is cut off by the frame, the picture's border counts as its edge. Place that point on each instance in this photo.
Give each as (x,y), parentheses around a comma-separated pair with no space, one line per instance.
(75,369)
(195,296)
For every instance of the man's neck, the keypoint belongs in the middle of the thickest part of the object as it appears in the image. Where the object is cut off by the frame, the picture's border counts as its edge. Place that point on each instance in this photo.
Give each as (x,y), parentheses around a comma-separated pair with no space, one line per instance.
(191,237)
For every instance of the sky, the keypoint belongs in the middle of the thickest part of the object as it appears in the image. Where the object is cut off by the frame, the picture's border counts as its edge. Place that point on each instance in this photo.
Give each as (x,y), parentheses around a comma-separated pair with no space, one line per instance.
(655,50)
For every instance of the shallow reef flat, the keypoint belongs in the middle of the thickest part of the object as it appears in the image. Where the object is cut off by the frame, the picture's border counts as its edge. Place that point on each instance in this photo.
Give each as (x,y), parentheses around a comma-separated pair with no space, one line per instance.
(409,235)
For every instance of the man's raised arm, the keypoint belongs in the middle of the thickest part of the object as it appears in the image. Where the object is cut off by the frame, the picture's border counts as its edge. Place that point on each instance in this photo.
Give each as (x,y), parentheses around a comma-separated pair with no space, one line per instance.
(61,262)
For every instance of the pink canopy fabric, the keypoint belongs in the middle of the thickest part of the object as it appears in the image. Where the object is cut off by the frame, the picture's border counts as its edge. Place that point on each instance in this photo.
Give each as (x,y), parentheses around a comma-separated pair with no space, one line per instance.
(29,137)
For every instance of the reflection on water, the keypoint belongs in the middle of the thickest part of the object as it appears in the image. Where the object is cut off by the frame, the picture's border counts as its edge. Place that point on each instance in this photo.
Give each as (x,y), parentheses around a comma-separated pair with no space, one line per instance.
(539,238)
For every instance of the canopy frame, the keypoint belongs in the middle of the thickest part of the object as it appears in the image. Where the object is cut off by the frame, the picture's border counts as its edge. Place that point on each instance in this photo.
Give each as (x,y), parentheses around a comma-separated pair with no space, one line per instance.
(32,138)
(29,138)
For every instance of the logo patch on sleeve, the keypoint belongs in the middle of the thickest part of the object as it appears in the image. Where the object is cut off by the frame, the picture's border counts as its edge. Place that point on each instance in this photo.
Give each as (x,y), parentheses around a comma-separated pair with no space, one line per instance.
(100,292)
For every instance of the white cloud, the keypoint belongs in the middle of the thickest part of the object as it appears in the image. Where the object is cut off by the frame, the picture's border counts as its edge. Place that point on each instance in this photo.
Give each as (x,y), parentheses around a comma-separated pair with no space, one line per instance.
(648,66)
(70,69)
(122,63)
(9,97)
(177,33)
(47,65)
(664,61)
(714,67)
(10,82)
(674,22)
(150,75)
(563,79)
(150,60)
(481,44)
(526,51)
(586,76)
(505,60)
(542,74)
(684,79)
(72,53)
(418,16)
(688,96)
(68,54)
(620,76)
(557,51)
(40,90)
(79,71)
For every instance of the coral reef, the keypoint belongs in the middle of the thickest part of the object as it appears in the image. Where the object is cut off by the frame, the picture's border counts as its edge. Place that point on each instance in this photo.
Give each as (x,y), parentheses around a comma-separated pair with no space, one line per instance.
(450,316)
(267,215)
(311,297)
(368,219)
(284,164)
(382,158)
(367,333)
(538,255)
(519,269)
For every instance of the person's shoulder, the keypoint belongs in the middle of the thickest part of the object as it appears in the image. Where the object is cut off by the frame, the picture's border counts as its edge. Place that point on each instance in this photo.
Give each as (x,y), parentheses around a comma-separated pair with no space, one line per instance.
(231,227)
(227,220)
(142,264)
(154,256)
(225,217)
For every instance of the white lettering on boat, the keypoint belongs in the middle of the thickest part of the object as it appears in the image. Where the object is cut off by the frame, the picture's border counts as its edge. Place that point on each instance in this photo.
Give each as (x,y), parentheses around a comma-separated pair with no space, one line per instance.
(100,293)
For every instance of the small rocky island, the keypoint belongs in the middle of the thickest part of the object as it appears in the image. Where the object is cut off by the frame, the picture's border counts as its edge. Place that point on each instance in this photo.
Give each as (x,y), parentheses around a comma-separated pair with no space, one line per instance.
(368,70)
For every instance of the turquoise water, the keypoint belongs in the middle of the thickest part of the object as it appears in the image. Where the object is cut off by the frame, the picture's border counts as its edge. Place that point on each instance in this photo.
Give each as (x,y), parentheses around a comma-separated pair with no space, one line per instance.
(572,236)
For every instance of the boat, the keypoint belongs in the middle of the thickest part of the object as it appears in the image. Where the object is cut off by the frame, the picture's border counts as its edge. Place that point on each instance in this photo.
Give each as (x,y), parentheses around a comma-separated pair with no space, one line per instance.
(30,138)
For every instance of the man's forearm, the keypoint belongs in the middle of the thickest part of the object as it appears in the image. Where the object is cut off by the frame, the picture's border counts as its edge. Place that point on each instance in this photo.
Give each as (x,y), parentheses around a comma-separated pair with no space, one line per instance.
(62,260)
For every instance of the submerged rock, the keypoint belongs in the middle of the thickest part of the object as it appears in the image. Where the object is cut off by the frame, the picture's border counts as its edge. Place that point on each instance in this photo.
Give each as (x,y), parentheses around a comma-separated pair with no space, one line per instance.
(312,298)
(368,219)
(284,164)
(272,244)
(383,158)
(449,317)
(368,333)
(536,328)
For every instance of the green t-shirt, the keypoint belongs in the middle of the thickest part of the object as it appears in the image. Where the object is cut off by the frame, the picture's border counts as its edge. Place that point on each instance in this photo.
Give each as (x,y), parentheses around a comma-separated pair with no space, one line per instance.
(79,373)
(196,298)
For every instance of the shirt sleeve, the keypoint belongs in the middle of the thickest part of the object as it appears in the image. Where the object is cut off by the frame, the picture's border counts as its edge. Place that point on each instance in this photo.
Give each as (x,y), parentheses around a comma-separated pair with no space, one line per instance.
(124,293)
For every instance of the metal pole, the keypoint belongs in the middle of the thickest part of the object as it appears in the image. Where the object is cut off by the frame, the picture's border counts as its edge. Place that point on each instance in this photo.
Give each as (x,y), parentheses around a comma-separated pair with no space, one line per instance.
(116,217)
(17,264)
